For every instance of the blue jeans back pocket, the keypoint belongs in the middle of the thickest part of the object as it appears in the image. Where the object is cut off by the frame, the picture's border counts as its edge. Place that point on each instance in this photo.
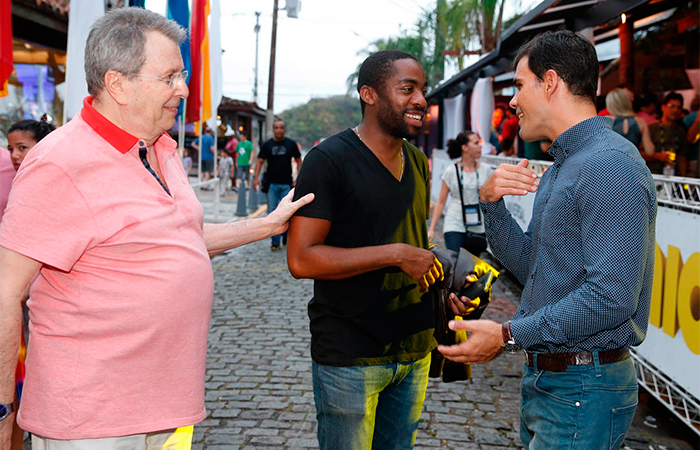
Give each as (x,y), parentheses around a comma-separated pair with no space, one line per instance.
(620,420)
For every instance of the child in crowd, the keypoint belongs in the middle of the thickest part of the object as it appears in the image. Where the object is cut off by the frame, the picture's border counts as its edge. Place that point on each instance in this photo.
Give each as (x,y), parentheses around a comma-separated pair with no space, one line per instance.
(21,138)
(225,171)
(186,161)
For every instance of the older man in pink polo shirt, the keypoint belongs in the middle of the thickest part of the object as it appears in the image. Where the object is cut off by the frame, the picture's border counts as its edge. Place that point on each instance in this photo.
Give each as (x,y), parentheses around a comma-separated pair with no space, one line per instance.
(103,211)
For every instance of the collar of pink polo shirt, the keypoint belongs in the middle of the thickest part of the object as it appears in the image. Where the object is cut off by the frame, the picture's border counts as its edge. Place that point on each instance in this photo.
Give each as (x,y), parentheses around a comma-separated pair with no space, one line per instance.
(117,138)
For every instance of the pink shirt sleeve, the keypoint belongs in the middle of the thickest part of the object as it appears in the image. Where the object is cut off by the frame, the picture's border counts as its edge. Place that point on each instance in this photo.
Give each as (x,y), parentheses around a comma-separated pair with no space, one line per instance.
(47,218)
(7,173)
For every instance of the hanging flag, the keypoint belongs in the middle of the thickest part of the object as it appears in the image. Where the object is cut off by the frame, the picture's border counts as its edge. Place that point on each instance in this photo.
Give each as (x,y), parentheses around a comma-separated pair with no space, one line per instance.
(197,31)
(179,11)
(215,73)
(82,14)
(206,68)
(6,61)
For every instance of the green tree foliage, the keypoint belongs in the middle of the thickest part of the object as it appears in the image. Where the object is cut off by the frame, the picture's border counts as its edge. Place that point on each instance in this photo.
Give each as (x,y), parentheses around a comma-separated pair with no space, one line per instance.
(454,25)
(321,118)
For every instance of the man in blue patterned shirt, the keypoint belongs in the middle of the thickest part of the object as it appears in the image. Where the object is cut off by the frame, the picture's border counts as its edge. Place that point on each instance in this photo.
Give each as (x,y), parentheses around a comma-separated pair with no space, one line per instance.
(586,259)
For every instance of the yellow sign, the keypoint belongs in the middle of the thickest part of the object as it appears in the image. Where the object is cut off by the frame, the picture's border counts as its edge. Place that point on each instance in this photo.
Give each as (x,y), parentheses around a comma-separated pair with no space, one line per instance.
(675,298)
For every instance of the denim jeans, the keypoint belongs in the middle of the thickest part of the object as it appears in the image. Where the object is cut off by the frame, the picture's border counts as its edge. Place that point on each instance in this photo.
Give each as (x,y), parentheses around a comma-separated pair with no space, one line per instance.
(274,196)
(583,408)
(363,407)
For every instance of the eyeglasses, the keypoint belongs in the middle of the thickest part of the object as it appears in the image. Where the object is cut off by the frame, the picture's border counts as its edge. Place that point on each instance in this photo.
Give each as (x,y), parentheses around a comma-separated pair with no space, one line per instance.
(673,105)
(171,80)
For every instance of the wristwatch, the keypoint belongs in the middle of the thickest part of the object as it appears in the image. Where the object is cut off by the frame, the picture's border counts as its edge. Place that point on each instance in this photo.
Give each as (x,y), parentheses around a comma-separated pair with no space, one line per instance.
(509,345)
(6,410)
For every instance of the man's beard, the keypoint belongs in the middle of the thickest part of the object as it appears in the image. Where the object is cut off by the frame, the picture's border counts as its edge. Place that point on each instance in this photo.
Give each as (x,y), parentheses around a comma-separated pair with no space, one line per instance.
(394,122)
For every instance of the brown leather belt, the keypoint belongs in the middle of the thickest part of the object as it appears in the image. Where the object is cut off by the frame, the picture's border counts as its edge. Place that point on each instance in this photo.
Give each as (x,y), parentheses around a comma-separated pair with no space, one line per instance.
(557,362)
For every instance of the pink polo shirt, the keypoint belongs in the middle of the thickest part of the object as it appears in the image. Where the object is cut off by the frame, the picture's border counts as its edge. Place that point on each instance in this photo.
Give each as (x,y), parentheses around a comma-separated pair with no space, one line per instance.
(120,310)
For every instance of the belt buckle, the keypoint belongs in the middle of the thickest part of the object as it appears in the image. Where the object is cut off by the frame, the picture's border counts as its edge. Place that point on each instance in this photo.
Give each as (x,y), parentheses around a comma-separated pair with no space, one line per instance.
(583,359)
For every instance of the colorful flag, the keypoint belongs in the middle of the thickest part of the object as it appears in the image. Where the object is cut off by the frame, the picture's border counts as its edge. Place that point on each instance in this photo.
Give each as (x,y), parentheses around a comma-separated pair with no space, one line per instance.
(206,68)
(6,61)
(197,33)
(179,11)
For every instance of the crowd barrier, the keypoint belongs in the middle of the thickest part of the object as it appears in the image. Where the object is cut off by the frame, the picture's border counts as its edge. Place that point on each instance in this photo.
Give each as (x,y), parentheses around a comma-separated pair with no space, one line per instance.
(668,361)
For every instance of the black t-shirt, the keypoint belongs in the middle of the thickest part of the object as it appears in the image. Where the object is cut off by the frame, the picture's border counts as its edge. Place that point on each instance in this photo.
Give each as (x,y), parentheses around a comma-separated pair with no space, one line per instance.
(379,317)
(279,156)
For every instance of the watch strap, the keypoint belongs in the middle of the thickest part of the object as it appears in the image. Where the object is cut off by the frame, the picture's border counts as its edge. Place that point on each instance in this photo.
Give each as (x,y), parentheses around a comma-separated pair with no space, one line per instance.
(507,335)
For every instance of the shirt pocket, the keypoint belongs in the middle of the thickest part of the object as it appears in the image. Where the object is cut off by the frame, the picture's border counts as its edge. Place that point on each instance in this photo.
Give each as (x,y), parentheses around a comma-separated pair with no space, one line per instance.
(560,224)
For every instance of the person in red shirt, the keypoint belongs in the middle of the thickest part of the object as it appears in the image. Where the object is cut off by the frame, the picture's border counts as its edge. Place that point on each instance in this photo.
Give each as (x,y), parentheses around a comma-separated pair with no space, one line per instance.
(510,126)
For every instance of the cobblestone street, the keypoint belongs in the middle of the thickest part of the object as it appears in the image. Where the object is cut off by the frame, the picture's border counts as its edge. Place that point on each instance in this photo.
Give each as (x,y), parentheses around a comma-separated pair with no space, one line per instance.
(259,392)
(259,380)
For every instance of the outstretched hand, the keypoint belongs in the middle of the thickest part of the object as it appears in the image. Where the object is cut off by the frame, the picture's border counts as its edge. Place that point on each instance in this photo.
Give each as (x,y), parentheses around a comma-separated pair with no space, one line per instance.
(279,218)
(484,343)
(509,179)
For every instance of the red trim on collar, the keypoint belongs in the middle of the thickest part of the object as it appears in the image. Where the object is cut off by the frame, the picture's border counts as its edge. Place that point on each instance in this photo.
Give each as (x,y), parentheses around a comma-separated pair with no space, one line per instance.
(117,138)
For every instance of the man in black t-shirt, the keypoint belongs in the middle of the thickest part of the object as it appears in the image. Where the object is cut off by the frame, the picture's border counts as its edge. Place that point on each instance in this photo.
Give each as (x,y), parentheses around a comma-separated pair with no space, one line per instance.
(364,241)
(279,153)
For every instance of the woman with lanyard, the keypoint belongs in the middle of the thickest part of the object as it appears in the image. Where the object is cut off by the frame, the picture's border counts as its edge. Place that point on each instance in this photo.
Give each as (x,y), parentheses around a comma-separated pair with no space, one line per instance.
(463,221)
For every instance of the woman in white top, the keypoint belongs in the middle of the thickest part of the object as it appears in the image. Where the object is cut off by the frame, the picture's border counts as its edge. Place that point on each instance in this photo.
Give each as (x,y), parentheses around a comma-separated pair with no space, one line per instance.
(463,221)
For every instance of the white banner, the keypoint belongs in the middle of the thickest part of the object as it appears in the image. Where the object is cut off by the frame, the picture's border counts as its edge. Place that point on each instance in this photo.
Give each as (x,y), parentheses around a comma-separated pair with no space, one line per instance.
(453,118)
(481,110)
(83,13)
(673,339)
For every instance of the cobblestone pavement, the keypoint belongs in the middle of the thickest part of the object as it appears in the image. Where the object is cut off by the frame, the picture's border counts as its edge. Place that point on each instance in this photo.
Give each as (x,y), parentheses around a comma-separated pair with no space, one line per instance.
(259,392)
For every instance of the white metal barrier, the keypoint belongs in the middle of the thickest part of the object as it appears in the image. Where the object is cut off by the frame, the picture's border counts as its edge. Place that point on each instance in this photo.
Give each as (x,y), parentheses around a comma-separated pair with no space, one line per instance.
(681,403)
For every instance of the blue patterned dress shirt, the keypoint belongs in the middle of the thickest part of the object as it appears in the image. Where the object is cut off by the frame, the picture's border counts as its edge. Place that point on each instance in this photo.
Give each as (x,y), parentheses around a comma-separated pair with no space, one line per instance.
(587,258)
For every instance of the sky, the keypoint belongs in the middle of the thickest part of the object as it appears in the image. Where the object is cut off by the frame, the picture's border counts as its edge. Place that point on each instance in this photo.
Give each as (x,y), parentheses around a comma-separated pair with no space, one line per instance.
(315,53)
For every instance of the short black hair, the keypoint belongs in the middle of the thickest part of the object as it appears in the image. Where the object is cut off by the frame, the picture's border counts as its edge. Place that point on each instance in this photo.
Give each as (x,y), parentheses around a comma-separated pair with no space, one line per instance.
(673,96)
(645,99)
(570,55)
(377,68)
(38,129)
(454,146)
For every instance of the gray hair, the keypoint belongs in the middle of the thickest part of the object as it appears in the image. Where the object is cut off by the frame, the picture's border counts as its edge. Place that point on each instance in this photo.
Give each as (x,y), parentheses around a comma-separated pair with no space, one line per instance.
(117,42)
(618,103)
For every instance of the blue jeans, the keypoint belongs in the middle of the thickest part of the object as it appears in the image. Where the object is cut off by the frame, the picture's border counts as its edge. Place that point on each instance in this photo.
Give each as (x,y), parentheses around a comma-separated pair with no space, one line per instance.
(369,407)
(274,196)
(583,408)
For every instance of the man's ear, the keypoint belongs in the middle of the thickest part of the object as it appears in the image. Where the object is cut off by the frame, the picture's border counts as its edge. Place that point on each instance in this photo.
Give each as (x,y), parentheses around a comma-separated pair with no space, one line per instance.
(115,86)
(368,95)
(551,83)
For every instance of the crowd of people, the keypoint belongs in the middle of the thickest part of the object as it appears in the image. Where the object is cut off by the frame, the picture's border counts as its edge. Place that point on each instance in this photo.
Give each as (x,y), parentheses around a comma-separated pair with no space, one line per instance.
(117,256)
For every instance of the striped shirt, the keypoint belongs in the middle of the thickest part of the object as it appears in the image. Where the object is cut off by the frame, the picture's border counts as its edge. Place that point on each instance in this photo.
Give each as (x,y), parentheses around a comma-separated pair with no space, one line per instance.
(587,258)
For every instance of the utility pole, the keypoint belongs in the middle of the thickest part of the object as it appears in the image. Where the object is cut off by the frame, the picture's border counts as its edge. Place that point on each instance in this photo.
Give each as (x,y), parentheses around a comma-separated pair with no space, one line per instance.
(257,35)
(270,115)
